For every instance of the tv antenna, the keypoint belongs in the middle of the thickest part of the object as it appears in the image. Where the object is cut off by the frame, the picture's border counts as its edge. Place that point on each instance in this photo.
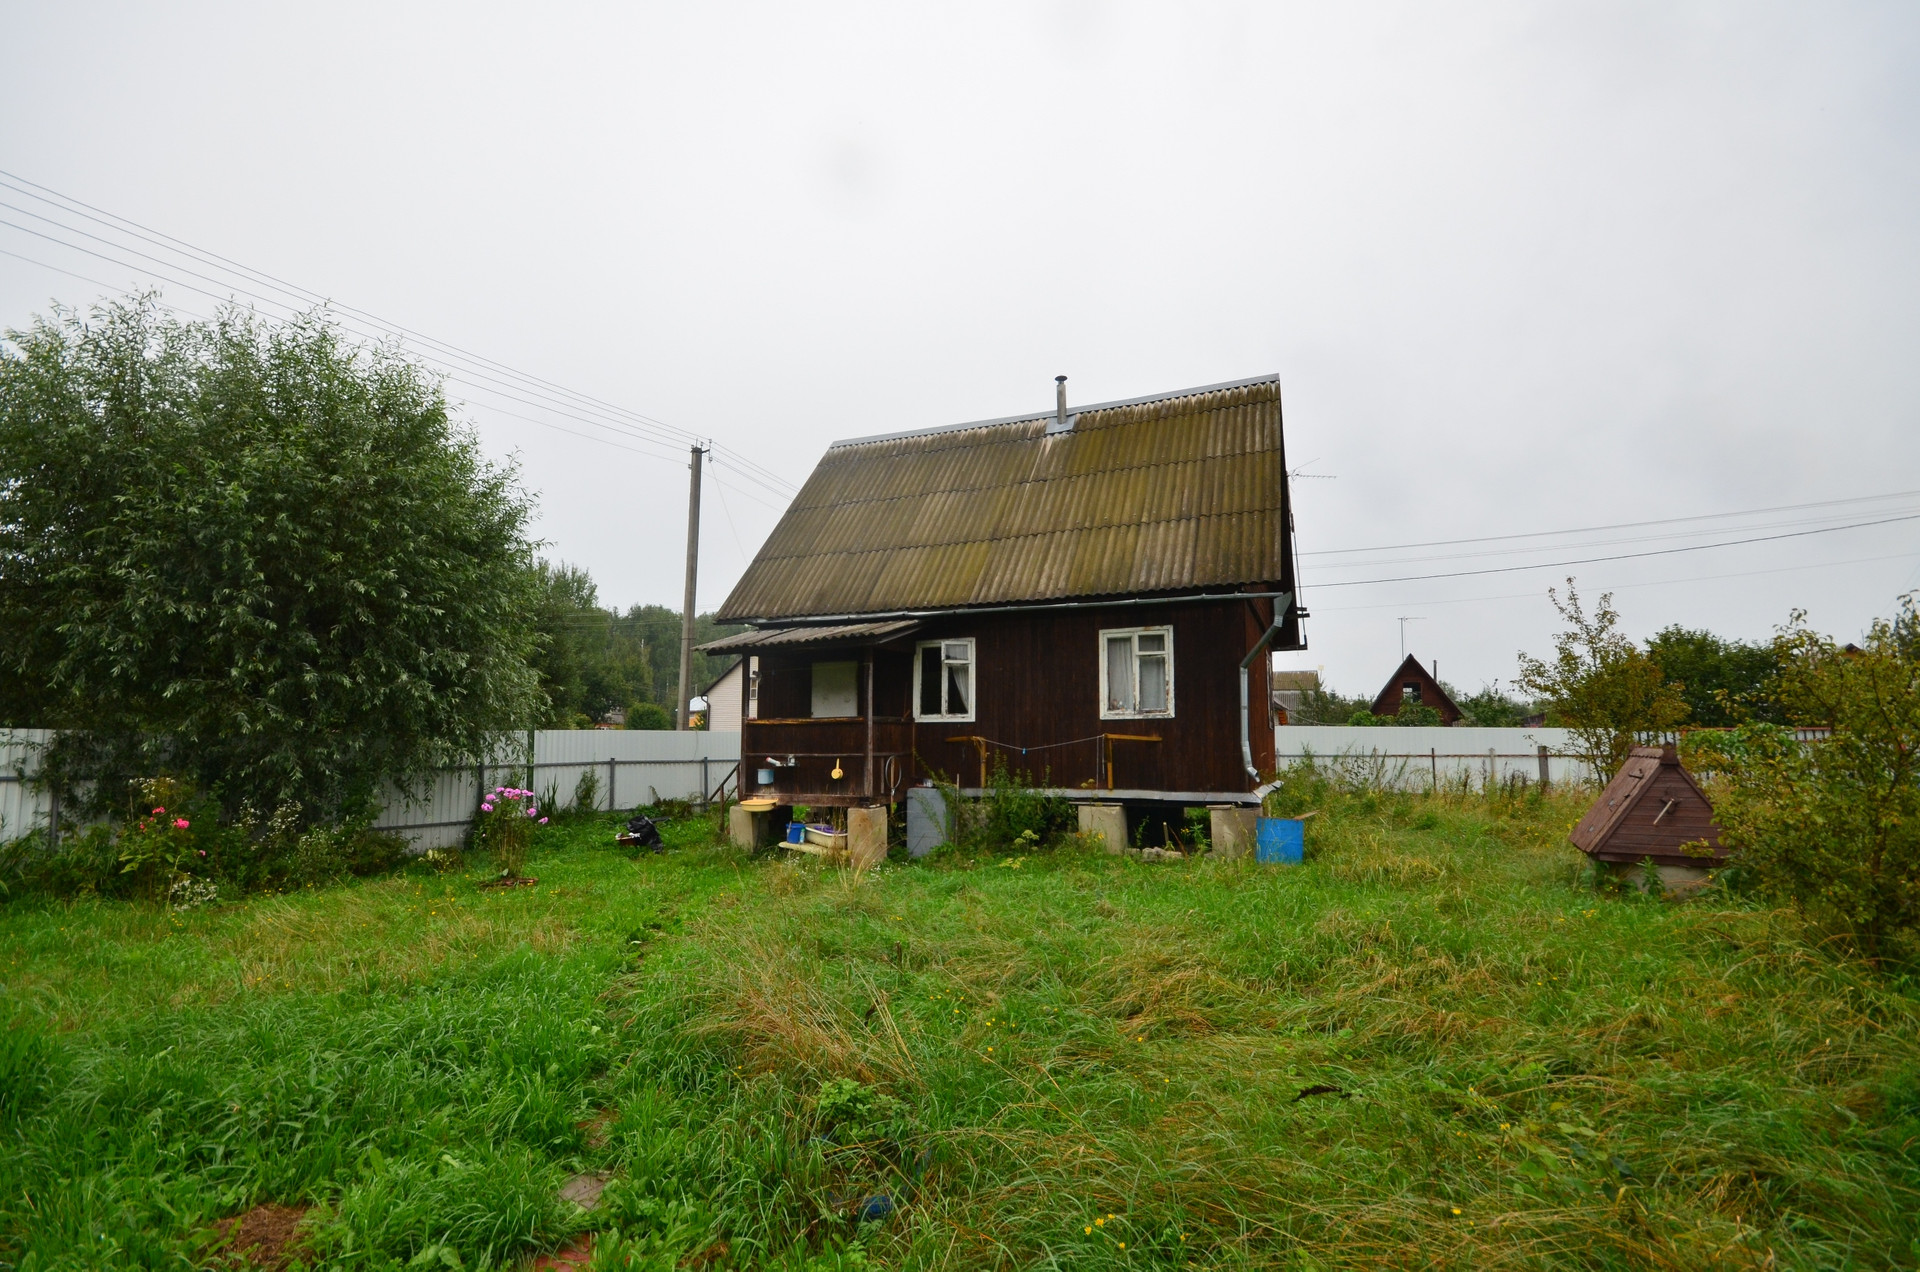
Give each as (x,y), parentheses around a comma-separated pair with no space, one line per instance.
(1404,620)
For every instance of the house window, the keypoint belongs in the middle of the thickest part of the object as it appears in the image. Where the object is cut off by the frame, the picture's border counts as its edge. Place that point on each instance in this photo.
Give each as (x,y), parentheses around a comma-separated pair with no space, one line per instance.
(753,687)
(943,680)
(1410,692)
(1136,673)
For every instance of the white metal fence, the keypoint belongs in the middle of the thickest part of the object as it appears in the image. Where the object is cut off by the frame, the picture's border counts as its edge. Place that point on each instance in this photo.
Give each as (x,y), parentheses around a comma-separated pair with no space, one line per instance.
(631,767)
(21,807)
(1422,758)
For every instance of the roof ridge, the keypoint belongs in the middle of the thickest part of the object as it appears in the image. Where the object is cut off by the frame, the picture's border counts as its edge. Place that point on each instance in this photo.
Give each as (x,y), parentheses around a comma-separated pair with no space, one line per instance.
(1272,377)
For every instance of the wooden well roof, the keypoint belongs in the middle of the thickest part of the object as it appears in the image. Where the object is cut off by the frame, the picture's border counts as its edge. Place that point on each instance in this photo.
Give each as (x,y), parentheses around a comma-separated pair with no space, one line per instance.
(1184,491)
(1651,808)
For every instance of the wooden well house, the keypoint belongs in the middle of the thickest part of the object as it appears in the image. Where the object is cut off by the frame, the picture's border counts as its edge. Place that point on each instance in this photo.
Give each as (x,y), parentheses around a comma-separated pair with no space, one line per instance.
(1085,598)
(1652,810)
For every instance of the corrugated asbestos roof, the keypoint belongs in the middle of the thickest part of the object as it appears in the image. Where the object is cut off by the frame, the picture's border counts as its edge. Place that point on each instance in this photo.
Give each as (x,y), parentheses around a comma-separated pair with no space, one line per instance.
(807,635)
(1183,491)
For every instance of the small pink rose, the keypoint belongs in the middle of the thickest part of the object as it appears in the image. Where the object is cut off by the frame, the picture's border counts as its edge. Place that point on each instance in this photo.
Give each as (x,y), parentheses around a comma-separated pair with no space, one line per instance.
(179,823)
(158,811)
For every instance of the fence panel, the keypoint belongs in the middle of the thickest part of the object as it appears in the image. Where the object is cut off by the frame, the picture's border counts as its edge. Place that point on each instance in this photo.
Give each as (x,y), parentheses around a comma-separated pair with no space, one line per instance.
(634,766)
(1421,758)
(631,767)
(22,808)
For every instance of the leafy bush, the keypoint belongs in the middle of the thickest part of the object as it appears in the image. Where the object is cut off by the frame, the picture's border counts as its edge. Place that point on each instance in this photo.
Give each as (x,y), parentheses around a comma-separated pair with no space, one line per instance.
(586,794)
(177,851)
(1832,827)
(1412,715)
(506,822)
(1490,708)
(1724,682)
(648,715)
(252,554)
(1600,685)
(1014,817)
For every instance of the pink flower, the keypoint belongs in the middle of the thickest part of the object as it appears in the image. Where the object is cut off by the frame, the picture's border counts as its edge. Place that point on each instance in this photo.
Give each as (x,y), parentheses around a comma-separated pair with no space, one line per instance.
(486,808)
(179,823)
(543,821)
(533,812)
(203,852)
(158,811)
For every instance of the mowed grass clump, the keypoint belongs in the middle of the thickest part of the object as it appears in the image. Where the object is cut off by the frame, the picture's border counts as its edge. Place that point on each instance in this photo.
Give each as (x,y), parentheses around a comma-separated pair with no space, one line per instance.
(1431,1045)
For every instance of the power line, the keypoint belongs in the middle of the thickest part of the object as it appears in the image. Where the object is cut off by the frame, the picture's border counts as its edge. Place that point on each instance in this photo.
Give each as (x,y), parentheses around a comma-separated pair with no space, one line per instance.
(1535,549)
(1621,556)
(1624,587)
(74,207)
(461,366)
(1624,525)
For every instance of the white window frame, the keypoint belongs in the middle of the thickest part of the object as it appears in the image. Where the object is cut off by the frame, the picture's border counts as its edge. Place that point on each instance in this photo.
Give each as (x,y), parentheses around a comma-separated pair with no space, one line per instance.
(973,678)
(1110,633)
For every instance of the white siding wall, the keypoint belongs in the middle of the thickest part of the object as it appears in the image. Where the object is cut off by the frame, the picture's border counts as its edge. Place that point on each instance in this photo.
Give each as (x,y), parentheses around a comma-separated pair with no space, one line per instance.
(724,699)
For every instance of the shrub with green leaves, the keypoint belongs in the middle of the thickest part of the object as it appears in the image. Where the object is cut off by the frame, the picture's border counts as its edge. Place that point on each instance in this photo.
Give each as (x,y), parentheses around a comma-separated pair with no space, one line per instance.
(1599,685)
(256,555)
(507,818)
(1832,826)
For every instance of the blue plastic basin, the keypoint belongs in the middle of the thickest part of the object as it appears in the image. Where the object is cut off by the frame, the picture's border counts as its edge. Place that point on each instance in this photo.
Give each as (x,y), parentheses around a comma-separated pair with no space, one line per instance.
(1280,841)
(796,832)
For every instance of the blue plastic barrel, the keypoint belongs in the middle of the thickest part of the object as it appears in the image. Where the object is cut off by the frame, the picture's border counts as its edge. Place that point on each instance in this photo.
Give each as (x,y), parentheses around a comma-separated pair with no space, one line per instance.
(1281,841)
(796,832)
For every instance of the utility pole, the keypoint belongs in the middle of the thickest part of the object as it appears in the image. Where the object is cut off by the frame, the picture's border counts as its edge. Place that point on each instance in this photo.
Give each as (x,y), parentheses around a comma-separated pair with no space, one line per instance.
(680,712)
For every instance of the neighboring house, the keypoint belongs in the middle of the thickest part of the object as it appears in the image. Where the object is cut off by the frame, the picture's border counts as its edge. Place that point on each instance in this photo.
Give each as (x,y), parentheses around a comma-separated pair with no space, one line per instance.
(1411,685)
(726,699)
(1290,690)
(1086,598)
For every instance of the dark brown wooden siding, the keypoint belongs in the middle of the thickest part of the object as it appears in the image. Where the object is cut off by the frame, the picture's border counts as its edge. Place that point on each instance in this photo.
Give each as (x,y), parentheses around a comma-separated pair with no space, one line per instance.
(1644,833)
(1036,697)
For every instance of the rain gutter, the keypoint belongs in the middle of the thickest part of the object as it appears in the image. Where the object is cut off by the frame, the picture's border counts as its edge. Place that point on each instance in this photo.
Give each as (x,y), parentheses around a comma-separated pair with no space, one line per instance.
(1282,600)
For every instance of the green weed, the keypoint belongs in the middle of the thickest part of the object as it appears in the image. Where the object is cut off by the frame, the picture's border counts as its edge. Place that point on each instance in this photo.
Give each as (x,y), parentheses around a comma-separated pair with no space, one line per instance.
(1429,1045)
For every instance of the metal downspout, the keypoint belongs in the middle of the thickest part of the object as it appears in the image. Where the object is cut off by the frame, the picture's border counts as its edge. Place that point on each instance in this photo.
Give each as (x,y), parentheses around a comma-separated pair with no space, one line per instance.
(1281,603)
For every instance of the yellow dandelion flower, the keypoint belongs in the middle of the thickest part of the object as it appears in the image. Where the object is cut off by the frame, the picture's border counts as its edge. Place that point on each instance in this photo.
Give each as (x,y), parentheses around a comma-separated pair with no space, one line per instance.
(1123,1245)
(1089,1227)
(1456,1210)
(1100,1223)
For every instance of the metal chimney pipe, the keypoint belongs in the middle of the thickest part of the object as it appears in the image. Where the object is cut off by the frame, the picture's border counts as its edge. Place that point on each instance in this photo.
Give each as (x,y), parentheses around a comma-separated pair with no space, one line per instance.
(1060,402)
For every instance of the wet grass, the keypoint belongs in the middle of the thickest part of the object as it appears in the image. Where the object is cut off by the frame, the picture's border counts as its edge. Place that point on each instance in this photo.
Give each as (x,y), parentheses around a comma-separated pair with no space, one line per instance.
(1428,1047)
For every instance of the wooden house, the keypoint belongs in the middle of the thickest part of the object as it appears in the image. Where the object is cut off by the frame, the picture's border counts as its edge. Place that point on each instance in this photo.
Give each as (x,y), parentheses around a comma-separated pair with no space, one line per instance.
(727,699)
(1652,809)
(1086,598)
(1413,686)
(1291,689)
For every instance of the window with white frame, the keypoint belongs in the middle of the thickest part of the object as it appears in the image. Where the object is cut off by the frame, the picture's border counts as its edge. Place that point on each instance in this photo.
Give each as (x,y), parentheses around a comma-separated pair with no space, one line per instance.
(1136,673)
(943,680)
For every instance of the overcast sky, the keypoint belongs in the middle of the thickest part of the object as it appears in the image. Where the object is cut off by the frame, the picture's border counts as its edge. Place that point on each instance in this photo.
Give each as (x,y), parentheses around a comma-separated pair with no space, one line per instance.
(1521,268)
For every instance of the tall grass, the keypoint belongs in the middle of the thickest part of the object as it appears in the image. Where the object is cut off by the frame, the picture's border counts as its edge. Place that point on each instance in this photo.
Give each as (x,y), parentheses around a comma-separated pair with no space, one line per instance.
(1428,1046)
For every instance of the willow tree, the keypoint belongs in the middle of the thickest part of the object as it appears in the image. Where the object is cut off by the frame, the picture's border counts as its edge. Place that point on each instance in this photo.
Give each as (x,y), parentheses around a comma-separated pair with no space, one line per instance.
(254,554)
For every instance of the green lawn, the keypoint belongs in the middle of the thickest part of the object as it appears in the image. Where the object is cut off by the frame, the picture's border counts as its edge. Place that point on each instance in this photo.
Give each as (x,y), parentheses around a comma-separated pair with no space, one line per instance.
(1098,1062)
